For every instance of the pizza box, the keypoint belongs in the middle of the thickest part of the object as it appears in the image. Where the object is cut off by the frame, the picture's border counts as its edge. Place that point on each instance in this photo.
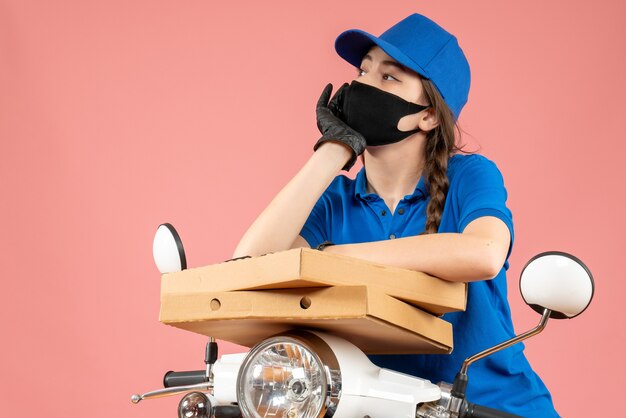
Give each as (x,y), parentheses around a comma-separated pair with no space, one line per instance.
(371,320)
(305,267)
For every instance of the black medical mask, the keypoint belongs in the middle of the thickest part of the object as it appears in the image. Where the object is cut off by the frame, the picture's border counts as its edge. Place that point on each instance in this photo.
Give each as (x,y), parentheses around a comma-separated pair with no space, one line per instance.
(375,113)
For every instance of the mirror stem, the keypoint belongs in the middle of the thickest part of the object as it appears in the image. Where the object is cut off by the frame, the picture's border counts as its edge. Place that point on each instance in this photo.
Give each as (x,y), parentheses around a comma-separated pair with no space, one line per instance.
(210,357)
(457,392)
(542,324)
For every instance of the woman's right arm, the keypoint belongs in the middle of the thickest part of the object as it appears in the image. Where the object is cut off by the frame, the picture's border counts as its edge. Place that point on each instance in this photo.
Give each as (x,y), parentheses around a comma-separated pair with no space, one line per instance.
(280,223)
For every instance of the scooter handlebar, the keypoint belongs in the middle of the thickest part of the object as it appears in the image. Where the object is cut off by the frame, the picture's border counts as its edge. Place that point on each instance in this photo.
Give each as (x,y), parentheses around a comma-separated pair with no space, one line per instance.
(478,411)
(227,411)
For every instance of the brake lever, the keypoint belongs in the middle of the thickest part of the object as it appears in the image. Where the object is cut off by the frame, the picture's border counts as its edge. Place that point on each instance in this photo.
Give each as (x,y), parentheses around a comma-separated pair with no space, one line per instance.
(160,393)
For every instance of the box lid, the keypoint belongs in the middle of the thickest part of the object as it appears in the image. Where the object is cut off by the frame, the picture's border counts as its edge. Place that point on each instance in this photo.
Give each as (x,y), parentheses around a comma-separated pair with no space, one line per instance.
(304,267)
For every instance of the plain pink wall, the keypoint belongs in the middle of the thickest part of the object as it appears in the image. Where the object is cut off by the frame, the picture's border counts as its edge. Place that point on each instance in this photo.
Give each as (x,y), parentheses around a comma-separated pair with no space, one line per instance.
(118,115)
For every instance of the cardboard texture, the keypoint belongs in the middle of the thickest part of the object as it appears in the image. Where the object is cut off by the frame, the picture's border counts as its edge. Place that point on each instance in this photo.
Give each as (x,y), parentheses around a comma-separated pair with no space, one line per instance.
(304,267)
(373,321)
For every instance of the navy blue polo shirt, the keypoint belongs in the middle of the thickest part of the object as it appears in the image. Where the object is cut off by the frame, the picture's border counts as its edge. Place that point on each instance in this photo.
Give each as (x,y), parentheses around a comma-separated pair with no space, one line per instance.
(346,214)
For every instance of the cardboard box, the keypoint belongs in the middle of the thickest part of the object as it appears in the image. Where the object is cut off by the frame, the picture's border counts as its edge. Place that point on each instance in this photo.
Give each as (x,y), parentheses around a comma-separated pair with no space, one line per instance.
(373,321)
(304,267)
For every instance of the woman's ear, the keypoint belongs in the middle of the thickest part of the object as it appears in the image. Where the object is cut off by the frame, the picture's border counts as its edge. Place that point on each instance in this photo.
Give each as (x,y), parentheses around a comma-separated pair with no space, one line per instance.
(428,120)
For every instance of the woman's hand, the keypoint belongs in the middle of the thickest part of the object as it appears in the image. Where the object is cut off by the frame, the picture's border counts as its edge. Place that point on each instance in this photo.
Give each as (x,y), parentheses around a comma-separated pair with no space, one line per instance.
(333,128)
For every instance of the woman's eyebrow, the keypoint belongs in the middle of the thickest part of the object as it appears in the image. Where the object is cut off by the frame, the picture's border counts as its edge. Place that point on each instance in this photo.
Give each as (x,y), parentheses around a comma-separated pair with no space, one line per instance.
(394,64)
(387,62)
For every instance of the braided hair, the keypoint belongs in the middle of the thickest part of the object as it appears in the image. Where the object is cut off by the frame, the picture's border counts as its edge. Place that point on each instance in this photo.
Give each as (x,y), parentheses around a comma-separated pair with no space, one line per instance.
(440,145)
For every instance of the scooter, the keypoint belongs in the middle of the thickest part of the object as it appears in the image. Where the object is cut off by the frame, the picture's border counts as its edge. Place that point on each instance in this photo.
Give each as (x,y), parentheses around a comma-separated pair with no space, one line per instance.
(310,374)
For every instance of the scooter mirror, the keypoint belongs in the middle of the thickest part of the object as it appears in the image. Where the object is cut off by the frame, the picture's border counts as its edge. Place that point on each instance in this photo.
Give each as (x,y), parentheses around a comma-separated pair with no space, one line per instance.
(559,282)
(167,250)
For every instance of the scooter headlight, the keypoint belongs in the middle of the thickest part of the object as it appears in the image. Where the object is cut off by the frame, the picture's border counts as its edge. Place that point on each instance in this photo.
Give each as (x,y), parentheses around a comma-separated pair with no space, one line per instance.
(291,376)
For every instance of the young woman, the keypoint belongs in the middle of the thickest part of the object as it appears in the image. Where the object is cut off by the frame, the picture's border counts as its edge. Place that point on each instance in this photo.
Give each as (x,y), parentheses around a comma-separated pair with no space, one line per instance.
(416,203)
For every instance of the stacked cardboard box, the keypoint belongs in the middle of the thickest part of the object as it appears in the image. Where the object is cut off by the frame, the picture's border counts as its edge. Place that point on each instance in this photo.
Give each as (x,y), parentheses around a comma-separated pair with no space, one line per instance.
(380,309)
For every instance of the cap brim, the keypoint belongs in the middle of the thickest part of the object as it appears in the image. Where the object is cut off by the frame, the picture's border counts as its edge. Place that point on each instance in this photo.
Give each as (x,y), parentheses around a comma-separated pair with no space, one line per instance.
(353,44)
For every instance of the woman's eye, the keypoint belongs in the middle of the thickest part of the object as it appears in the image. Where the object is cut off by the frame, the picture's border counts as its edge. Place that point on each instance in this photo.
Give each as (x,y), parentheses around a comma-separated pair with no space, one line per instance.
(389,77)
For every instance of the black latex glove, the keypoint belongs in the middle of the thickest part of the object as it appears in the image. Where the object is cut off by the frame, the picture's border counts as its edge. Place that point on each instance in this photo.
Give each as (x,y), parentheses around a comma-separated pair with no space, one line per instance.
(333,128)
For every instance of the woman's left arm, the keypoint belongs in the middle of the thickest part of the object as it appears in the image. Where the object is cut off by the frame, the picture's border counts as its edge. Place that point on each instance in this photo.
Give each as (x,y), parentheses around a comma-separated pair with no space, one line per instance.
(478,253)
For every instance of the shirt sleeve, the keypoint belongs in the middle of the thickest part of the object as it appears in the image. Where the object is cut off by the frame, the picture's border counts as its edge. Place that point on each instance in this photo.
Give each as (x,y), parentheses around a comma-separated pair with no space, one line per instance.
(315,229)
(481,192)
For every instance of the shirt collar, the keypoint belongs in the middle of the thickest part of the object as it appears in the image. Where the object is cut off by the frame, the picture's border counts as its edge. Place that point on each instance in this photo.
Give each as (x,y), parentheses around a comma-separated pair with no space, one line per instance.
(360,189)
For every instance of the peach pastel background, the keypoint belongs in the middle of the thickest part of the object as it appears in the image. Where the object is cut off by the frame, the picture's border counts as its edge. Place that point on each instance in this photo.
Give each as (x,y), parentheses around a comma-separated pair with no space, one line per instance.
(117,115)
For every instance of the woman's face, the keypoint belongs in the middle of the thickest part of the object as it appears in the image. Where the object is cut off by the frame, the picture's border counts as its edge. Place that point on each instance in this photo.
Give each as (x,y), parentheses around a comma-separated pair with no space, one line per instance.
(383,72)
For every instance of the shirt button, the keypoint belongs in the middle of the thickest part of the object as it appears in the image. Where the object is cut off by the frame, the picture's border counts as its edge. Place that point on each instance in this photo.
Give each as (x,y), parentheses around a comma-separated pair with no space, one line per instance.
(400,211)
(392,236)
(383,213)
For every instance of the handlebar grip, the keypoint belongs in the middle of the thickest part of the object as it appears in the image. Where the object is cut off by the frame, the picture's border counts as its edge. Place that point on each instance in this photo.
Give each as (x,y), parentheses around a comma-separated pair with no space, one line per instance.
(227,411)
(183,378)
(478,411)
